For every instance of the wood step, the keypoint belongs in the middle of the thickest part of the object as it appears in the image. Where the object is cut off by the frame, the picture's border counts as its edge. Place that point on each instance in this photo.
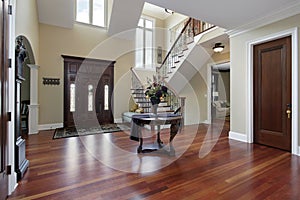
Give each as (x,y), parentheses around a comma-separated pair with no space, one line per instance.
(137,89)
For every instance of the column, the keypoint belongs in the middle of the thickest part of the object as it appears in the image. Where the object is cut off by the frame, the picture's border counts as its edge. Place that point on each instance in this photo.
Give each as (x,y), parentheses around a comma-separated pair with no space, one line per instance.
(33,118)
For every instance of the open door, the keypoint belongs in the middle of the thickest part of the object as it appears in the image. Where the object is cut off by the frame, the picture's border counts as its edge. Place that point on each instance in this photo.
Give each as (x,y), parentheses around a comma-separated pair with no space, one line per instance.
(3,99)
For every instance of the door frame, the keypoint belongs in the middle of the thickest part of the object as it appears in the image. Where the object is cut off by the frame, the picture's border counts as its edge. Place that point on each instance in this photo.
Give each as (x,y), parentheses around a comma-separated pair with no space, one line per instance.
(293,32)
(208,83)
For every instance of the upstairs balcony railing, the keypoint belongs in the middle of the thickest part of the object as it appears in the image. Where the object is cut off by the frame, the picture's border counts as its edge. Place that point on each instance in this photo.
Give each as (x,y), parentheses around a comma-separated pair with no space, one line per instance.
(191,28)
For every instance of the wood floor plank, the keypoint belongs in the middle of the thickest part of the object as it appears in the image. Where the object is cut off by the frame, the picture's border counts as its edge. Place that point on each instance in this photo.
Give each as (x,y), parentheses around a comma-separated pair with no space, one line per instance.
(107,167)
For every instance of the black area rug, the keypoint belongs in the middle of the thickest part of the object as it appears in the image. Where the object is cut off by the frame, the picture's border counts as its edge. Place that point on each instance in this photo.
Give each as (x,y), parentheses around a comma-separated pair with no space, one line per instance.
(73,132)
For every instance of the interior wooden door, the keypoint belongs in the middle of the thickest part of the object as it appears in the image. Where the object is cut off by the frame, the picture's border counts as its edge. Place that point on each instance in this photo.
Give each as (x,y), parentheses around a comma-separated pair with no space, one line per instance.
(3,98)
(87,81)
(272,93)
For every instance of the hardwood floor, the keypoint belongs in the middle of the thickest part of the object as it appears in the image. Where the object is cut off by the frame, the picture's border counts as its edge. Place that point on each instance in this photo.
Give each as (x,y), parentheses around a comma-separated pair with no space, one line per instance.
(207,165)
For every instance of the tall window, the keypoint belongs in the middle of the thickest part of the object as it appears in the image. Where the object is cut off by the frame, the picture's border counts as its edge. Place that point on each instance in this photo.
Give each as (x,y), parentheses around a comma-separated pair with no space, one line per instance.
(91,12)
(144,43)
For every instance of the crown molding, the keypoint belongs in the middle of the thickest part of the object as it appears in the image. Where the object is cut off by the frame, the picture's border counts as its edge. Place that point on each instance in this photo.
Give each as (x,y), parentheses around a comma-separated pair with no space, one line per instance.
(271,18)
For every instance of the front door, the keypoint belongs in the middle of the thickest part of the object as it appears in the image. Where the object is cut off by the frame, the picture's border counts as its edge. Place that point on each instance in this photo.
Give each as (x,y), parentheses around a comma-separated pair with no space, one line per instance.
(3,99)
(88,86)
(272,93)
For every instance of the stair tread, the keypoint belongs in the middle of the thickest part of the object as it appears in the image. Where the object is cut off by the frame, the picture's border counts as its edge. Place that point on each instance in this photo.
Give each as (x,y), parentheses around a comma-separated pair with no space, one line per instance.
(137,92)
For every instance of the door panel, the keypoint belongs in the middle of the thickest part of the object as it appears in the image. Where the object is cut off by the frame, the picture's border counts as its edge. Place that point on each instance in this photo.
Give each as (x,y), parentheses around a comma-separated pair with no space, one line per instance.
(272,93)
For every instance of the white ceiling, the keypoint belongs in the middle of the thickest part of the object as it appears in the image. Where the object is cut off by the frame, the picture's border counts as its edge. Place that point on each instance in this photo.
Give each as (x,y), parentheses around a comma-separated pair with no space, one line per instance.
(57,12)
(155,11)
(233,14)
(236,15)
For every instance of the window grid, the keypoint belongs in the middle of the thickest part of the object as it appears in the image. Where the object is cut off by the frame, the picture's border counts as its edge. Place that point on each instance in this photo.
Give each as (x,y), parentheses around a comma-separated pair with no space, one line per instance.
(86,14)
(144,43)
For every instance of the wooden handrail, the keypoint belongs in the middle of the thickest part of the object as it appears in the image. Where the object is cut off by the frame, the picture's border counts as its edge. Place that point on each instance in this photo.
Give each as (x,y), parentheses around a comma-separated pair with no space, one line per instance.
(174,44)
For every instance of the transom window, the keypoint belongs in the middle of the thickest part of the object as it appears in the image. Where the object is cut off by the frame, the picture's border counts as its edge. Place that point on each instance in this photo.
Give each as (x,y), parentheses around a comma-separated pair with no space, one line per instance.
(91,12)
(144,43)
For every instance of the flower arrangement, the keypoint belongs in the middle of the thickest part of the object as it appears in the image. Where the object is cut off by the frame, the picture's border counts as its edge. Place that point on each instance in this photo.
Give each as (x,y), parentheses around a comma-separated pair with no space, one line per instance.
(156,92)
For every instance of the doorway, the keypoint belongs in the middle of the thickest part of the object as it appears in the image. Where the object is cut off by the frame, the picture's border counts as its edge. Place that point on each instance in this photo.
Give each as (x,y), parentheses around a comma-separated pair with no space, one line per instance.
(219,92)
(272,93)
(293,32)
(88,89)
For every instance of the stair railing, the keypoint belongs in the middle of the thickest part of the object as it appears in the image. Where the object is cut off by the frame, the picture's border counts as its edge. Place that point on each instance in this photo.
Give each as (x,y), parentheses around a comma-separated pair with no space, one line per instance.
(191,28)
(138,92)
(175,51)
(136,82)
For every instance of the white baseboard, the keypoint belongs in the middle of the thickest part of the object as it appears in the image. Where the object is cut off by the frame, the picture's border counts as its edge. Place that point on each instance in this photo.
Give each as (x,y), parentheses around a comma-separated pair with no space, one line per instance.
(118,120)
(298,153)
(12,183)
(237,136)
(43,127)
(206,122)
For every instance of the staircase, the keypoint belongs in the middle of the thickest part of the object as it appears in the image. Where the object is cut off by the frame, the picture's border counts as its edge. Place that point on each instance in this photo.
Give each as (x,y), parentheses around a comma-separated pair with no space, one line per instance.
(182,46)
(174,58)
(138,94)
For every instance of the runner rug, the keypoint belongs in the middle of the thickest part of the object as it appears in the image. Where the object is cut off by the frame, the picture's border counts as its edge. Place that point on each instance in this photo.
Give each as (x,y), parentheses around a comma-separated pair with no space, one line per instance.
(73,132)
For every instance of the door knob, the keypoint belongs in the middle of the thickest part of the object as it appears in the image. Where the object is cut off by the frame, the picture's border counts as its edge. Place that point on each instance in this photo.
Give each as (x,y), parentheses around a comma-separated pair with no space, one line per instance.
(288,112)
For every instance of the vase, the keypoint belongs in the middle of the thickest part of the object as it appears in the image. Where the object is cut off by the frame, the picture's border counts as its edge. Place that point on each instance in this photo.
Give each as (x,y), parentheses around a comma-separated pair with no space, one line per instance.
(154,108)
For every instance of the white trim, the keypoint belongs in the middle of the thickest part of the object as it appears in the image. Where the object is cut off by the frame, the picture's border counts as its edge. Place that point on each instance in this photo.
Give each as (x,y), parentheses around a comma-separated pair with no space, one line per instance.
(206,122)
(33,117)
(298,154)
(43,127)
(208,95)
(12,179)
(293,32)
(237,136)
(280,15)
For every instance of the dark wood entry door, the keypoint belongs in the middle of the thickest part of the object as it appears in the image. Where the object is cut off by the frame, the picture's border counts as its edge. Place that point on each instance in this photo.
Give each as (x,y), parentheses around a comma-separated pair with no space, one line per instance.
(3,98)
(88,86)
(104,97)
(272,93)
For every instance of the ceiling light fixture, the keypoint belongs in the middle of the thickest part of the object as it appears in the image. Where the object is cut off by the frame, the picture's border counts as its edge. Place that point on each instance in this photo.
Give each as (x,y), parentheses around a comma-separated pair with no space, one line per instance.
(169,11)
(218,47)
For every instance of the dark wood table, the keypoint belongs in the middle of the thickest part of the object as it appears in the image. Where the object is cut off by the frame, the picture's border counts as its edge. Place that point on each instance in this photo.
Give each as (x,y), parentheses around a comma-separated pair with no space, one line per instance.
(140,120)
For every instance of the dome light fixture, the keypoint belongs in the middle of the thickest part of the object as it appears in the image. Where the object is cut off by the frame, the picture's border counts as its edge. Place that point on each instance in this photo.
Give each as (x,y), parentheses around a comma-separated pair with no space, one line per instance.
(218,47)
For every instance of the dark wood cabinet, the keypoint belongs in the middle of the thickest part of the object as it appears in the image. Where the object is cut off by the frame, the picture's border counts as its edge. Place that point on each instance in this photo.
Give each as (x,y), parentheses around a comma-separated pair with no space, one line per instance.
(88,91)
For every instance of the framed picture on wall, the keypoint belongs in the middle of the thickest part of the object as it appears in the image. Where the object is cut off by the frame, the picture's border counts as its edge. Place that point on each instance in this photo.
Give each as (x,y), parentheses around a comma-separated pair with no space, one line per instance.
(159,55)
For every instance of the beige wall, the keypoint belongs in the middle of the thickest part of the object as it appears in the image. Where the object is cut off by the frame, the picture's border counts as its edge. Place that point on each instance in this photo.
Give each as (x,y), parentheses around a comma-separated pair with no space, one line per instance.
(224,86)
(83,41)
(27,24)
(196,91)
(238,46)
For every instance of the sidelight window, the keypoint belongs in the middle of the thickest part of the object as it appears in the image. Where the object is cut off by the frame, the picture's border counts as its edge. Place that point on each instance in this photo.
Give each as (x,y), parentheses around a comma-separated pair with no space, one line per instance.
(90,97)
(72,97)
(106,97)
